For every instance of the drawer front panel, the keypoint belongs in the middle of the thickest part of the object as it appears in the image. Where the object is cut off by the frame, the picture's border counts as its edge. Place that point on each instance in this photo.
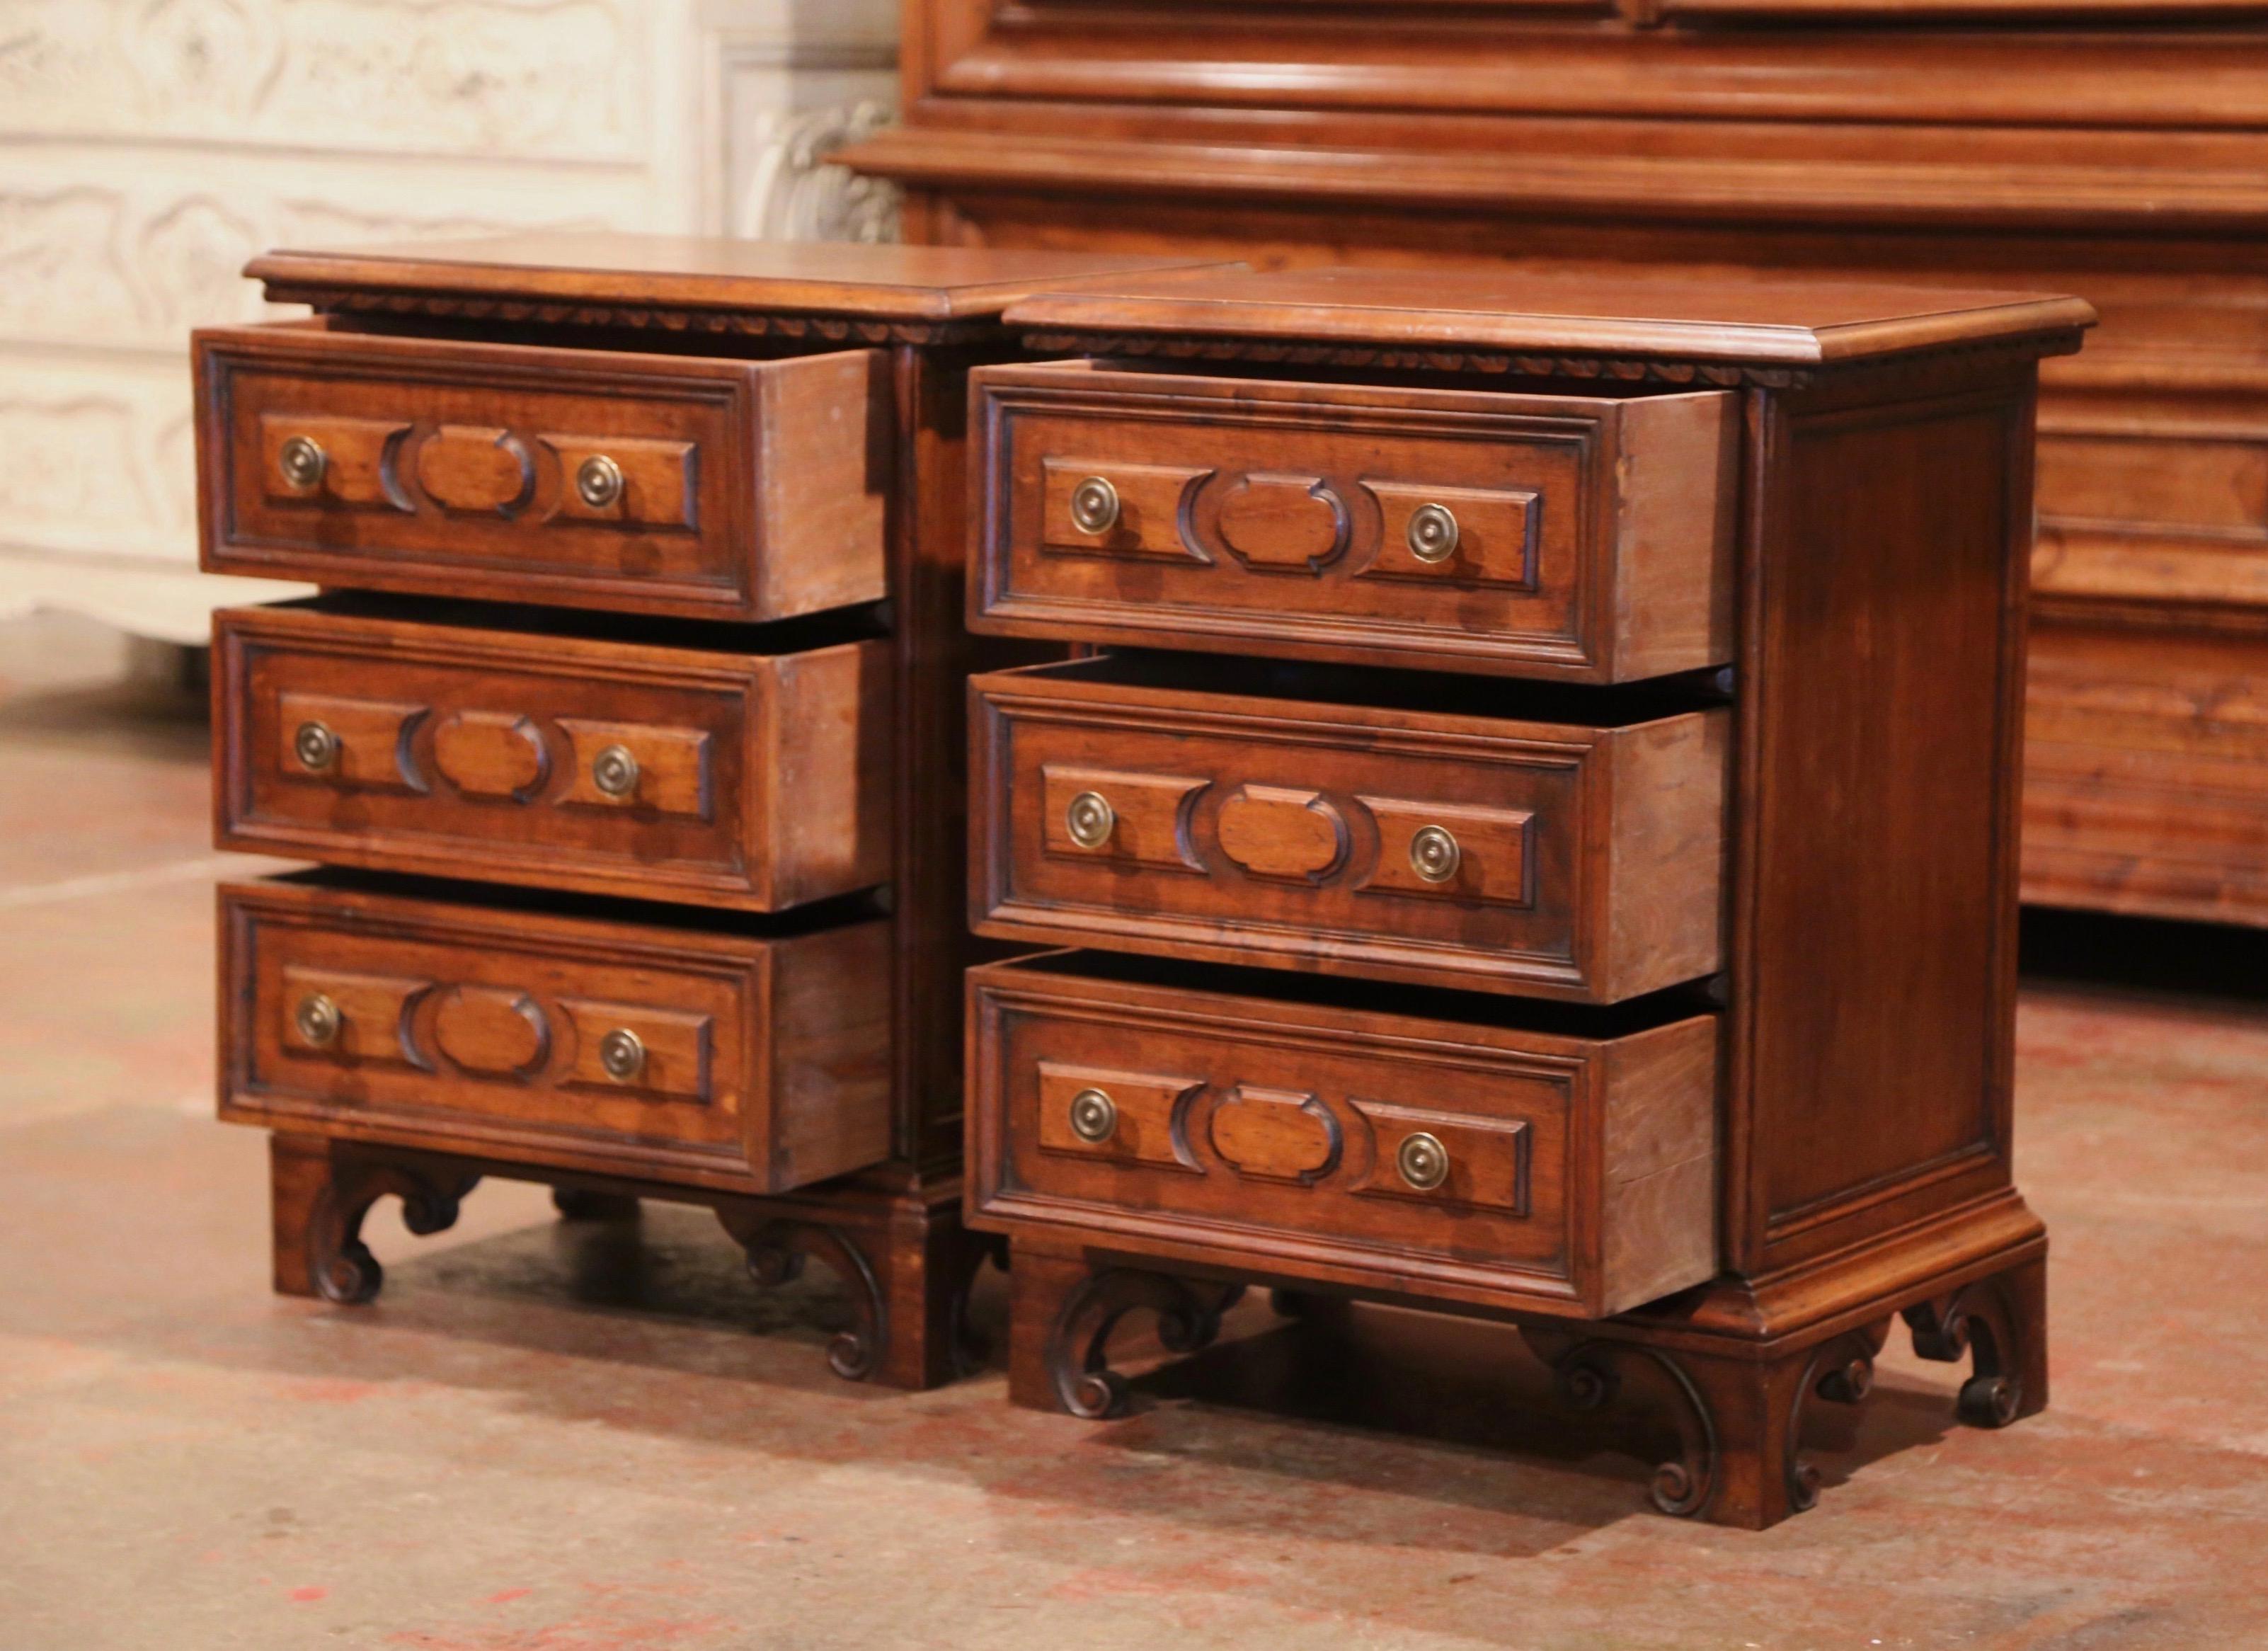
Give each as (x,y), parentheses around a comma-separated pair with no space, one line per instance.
(551,762)
(1350,1140)
(631,1048)
(1446,851)
(1574,536)
(653,484)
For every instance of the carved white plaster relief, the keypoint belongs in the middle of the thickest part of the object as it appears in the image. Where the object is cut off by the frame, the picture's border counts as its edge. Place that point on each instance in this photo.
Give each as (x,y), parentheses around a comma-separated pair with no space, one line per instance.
(539,78)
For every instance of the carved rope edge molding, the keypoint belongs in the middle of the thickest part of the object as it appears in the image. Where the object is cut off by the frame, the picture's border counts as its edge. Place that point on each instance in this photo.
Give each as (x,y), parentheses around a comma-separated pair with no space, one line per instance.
(752,323)
(1664,370)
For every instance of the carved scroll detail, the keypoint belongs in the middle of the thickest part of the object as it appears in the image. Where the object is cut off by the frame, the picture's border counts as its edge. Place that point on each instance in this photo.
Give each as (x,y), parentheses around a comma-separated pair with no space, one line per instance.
(338,1262)
(1840,1370)
(1589,1376)
(1077,1356)
(1974,1321)
(776,1250)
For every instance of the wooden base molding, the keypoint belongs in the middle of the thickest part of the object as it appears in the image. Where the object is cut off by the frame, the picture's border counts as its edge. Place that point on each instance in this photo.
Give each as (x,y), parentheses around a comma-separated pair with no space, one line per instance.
(1737,1395)
(902,1259)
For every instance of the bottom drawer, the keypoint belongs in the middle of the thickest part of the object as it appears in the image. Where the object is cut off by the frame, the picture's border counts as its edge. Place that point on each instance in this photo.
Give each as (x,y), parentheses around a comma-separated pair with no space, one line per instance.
(704,1054)
(1349,1134)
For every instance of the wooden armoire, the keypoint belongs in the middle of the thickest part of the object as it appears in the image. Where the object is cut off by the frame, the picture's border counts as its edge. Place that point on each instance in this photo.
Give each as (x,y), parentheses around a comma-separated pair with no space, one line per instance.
(2117,149)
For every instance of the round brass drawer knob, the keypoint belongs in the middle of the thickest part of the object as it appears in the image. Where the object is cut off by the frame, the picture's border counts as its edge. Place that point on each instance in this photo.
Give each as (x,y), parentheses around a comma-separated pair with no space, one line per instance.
(303,461)
(1094,505)
(598,481)
(614,771)
(1423,1160)
(622,1054)
(1093,1116)
(1434,854)
(316,746)
(317,1020)
(1090,819)
(1432,532)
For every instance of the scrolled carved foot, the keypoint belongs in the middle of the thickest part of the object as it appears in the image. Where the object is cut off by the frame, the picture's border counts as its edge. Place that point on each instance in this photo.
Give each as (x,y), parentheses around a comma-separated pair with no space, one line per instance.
(575,1204)
(1975,1322)
(1840,1370)
(1189,1319)
(776,1250)
(339,1263)
(1590,1375)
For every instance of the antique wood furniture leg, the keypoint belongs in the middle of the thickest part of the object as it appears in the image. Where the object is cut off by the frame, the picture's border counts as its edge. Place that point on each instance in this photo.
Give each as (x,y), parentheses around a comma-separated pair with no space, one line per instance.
(1999,1324)
(905,1265)
(1655,994)
(1065,1310)
(321,1192)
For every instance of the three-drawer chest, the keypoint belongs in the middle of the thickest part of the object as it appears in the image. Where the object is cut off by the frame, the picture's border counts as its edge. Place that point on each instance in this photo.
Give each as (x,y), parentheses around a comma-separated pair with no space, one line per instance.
(627,733)
(1531,831)
(1471,793)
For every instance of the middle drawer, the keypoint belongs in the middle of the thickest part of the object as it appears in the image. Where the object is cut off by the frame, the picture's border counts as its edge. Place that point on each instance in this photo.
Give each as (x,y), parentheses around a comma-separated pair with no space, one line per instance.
(754,781)
(1351,823)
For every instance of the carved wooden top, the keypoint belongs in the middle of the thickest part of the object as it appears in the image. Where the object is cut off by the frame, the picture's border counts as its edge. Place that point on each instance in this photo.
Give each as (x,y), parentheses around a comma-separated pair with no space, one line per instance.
(685,281)
(1792,325)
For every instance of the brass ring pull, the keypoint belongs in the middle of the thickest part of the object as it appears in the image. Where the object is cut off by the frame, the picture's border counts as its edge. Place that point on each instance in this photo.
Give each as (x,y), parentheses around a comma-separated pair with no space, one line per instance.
(614,771)
(1423,1160)
(1090,819)
(1434,854)
(622,1054)
(316,746)
(1432,532)
(317,1020)
(1094,505)
(1093,1116)
(303,461)
(598,481)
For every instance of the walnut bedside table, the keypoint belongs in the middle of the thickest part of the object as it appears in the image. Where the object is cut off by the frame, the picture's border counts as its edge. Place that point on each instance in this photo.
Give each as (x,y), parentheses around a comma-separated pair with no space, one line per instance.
(1539,834)
(632,705)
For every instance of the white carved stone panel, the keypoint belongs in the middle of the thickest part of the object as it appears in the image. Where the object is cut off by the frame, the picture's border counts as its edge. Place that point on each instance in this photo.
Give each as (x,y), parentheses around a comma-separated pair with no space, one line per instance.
(148,148)
(536,79)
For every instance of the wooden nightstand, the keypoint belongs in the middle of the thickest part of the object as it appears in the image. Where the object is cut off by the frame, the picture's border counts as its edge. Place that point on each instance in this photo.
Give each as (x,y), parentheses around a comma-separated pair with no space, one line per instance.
(1546,817)
(633,702)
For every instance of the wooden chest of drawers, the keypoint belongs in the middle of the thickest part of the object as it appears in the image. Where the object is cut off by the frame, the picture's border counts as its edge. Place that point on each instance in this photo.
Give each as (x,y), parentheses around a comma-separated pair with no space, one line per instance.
(1634,959)
(642,628)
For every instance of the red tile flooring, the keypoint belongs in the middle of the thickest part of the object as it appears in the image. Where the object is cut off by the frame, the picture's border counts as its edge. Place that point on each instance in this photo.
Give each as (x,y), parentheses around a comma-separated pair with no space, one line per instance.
(547,1436)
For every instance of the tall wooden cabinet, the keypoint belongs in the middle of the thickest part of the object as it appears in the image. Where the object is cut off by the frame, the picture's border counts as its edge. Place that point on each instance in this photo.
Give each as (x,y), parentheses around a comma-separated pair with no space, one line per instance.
(2119,151)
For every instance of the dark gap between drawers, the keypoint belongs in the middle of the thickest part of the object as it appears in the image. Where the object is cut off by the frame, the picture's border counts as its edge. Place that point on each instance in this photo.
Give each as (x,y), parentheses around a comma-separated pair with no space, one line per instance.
(1429,1003)
(860,907)
(1592,706)
(866,622)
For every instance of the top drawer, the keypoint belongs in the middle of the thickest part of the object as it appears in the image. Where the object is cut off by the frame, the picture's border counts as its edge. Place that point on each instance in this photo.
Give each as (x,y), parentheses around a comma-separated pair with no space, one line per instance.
(644,483)
(1581,537)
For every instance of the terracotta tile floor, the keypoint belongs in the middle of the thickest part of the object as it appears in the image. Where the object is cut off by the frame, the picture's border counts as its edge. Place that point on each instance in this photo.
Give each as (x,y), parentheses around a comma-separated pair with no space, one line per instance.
(549,1437)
